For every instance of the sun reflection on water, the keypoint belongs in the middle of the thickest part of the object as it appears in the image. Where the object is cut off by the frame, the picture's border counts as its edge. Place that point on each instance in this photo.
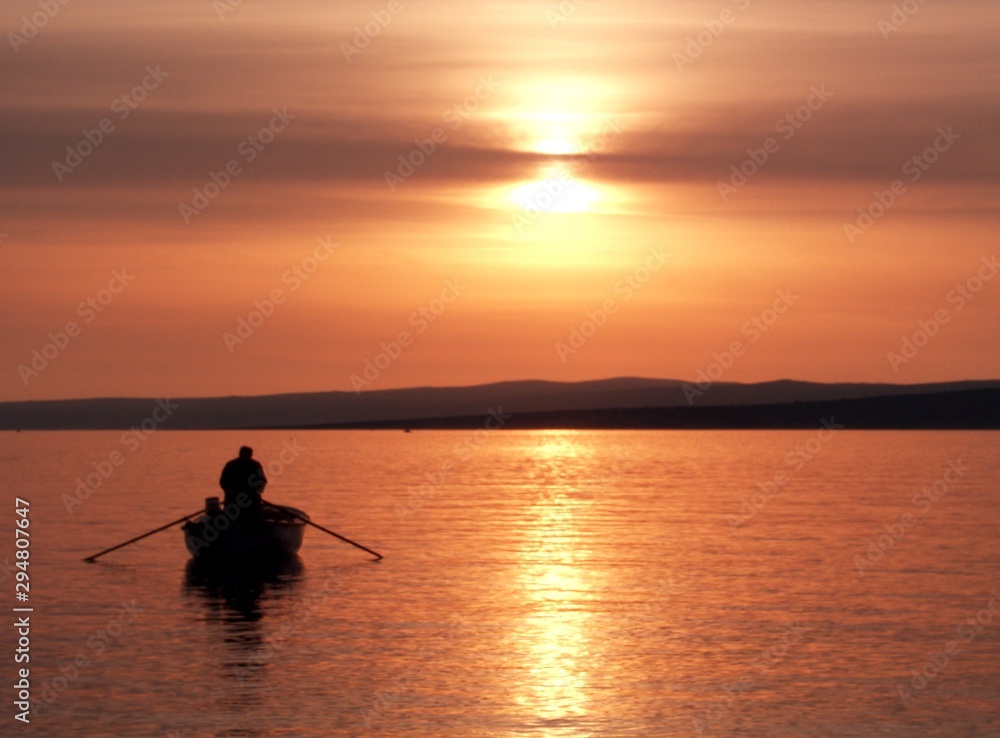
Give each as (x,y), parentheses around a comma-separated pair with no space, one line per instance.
(556,584)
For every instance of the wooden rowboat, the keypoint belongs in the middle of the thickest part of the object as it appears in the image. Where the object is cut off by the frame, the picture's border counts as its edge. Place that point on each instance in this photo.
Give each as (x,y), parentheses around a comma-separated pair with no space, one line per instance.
(276,534)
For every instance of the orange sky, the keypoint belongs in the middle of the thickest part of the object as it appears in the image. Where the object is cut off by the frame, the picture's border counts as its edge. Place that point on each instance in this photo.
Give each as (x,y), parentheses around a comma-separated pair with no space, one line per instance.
(570,209)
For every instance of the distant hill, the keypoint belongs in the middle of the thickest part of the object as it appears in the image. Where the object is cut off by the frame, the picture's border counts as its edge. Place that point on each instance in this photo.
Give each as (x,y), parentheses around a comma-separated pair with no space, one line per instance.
(404,406)
(963,410)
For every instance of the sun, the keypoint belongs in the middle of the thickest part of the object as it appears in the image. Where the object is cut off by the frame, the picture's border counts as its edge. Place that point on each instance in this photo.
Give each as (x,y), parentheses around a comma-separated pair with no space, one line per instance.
(555,146)
(562,126)
(554,134)
(555,190)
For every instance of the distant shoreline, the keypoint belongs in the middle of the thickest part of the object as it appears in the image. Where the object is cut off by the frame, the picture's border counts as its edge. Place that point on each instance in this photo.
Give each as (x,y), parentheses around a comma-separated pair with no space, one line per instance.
(623,403)
(968,410)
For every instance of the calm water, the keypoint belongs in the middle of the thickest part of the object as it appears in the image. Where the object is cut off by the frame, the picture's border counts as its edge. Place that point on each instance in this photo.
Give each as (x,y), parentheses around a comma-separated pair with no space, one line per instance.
(534,583)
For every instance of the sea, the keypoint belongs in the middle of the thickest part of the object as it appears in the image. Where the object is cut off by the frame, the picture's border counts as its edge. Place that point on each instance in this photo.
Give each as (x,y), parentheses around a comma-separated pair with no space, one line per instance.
(822,582)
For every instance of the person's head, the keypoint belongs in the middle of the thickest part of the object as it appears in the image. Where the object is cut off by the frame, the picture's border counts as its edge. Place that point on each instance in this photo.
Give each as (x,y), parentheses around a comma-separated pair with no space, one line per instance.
(246,452)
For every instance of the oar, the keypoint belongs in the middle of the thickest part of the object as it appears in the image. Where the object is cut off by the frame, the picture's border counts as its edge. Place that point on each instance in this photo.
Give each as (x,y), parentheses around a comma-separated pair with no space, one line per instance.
(325,530)
(92,559)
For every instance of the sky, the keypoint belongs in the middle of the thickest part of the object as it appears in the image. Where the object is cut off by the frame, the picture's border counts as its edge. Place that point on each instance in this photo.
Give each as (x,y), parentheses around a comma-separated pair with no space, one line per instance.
(238,198)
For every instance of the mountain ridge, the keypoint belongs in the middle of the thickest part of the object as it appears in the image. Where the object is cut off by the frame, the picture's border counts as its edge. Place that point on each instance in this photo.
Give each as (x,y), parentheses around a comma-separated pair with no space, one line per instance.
(976,409)
(337,408)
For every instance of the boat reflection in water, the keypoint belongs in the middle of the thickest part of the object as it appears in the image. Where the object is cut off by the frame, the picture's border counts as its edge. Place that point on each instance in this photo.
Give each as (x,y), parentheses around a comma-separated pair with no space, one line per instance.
(242,570)
(238,597)
(235,590)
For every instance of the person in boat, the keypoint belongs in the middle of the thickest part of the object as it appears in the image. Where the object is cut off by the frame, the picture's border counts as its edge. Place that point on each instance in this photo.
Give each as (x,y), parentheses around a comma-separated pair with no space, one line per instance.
(244,476)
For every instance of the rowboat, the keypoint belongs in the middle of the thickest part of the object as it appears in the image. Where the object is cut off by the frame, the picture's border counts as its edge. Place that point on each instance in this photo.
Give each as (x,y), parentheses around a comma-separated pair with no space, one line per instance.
(218,534)
(215,535)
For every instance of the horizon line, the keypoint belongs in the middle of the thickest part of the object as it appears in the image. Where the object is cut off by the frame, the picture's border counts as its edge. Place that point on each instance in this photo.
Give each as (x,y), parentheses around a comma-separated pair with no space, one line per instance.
(678,382)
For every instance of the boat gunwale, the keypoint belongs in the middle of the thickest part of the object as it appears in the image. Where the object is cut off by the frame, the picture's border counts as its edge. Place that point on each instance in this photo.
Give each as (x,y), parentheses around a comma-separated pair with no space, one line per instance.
(275,538)
(300,518)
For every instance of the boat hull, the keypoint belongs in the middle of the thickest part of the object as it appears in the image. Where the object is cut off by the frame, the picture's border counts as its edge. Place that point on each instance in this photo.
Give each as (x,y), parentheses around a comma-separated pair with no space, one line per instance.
(273,536)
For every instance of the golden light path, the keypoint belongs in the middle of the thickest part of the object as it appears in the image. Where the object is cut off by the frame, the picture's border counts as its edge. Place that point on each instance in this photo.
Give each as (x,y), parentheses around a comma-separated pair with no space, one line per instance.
(557,632)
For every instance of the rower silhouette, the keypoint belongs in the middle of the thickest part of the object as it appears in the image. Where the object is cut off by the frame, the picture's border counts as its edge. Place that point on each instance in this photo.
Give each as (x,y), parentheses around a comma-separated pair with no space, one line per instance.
(244,476)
